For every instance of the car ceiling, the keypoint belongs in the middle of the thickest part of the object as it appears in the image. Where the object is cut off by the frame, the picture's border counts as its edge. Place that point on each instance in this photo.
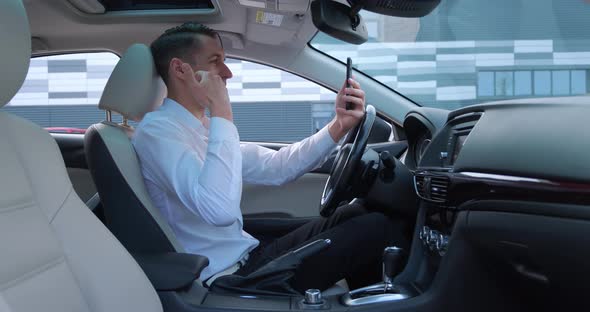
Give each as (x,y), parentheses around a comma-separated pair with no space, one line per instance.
(59,26)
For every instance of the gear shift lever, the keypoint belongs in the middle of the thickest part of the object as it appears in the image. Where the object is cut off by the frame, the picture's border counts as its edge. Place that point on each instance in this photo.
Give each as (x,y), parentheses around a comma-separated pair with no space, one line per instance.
(392,265)
(382,292)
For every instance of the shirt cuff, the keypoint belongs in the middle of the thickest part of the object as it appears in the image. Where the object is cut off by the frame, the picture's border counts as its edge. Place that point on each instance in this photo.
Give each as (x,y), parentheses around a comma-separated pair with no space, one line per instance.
(222,129)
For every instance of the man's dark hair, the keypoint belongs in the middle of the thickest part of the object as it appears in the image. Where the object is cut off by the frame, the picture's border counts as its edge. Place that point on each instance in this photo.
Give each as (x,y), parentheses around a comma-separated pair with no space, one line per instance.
(181,42)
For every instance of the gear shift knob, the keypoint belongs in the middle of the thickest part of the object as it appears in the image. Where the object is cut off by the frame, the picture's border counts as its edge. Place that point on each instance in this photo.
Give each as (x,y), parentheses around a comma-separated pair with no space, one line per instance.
(392,264)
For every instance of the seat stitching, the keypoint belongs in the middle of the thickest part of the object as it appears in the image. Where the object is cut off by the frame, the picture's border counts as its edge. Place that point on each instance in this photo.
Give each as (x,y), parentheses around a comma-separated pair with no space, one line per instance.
(17,207)
(11,139)
(62,205)
(32,273)
(65,259)
(58,260)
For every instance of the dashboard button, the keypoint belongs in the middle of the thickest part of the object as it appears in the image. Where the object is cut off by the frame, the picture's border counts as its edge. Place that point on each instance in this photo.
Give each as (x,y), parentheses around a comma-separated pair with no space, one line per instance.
(424,233)
(432,239)
(442,244)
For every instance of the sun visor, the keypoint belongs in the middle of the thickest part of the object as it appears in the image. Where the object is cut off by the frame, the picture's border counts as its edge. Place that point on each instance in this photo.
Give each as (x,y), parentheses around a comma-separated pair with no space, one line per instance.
(149,7)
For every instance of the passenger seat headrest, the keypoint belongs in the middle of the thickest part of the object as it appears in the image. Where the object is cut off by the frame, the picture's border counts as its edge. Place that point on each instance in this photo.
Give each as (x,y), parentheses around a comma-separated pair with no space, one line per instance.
(134,88)
(15,52)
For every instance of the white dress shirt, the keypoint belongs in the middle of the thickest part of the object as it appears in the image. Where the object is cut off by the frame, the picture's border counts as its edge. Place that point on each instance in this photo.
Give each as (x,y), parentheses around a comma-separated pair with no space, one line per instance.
(194,170)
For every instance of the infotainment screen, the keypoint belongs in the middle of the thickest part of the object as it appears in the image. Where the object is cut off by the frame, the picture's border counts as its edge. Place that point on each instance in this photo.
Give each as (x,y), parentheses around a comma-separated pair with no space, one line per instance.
(459,141)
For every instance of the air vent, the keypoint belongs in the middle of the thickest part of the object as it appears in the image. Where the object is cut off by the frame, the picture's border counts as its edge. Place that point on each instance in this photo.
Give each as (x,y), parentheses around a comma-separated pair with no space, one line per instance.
(432,188)
(439,187)
(419,180)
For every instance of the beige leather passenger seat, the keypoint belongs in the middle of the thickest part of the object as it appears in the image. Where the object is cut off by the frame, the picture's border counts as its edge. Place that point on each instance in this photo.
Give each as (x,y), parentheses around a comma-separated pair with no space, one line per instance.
(54,254)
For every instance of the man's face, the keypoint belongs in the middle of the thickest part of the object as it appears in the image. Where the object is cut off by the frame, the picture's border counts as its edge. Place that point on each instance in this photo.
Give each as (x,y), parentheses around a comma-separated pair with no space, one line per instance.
(211,58)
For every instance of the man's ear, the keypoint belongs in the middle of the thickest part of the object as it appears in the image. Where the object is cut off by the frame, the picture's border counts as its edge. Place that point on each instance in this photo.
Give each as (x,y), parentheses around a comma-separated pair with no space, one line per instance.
(175,68)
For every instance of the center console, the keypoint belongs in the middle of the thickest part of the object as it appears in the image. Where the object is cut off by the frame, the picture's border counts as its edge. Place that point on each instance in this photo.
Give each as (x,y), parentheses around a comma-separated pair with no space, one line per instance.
(385,292)
(434,183)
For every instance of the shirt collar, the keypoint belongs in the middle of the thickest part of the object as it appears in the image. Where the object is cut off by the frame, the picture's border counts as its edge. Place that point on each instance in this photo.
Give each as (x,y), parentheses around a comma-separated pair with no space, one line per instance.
(181,113)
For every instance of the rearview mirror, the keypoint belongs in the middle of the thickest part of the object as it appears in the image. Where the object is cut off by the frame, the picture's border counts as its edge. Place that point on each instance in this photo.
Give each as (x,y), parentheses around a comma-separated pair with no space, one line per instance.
(338,20)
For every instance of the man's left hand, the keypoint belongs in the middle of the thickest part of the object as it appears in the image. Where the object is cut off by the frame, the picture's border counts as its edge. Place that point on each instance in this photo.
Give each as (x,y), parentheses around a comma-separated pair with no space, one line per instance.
(347,119)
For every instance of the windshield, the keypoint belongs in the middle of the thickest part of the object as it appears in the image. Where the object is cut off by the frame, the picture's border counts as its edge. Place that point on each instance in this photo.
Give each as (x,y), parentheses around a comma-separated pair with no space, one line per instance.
(471,51)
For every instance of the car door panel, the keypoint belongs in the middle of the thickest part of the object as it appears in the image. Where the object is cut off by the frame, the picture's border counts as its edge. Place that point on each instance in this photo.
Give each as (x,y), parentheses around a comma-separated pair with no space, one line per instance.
(302,195)
(72,150)
(82,182)
(300,198)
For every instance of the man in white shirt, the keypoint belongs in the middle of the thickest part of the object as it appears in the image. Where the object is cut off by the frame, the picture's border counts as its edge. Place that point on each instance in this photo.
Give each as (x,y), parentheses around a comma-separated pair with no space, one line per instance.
(194,167)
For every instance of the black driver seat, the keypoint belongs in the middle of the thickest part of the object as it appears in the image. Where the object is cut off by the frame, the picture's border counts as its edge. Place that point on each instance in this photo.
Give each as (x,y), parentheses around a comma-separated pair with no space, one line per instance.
(133,89)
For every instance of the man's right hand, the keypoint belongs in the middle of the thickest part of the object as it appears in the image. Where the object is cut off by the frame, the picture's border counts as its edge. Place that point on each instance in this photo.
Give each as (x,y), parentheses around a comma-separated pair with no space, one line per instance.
(209,90)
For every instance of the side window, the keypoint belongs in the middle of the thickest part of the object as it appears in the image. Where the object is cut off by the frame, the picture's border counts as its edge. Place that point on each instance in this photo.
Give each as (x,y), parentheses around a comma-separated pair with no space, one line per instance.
(61,92)
(271,105)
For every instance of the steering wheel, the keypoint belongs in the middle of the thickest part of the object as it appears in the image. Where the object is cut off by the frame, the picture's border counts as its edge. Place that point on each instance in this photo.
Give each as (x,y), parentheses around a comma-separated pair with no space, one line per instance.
(346,162)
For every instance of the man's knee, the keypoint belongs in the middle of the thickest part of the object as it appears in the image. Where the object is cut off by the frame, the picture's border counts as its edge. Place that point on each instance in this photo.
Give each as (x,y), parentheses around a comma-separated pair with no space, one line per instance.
(378,218)
(347,212)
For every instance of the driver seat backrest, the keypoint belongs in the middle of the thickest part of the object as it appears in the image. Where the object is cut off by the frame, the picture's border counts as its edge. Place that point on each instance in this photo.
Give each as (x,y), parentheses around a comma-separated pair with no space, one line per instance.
(55,254)
(133,89)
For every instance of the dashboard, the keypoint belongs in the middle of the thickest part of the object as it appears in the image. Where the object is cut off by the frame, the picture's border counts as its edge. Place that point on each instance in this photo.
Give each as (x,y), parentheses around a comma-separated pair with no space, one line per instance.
(502,185)
(522,150)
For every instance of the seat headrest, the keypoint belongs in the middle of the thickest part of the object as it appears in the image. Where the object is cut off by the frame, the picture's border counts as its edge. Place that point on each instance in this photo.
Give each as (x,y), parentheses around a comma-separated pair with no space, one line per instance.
(134,88)
(15,52)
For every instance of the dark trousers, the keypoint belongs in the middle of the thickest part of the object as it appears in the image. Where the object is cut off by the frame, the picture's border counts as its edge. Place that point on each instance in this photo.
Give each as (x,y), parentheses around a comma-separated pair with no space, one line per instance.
(358,239)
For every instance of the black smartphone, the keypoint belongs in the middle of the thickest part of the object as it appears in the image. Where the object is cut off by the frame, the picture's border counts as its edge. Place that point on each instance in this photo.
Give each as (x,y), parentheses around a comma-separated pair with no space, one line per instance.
(349,105)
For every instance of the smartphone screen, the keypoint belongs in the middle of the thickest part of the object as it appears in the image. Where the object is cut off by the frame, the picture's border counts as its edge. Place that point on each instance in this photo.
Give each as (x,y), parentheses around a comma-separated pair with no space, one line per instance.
(348,75)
